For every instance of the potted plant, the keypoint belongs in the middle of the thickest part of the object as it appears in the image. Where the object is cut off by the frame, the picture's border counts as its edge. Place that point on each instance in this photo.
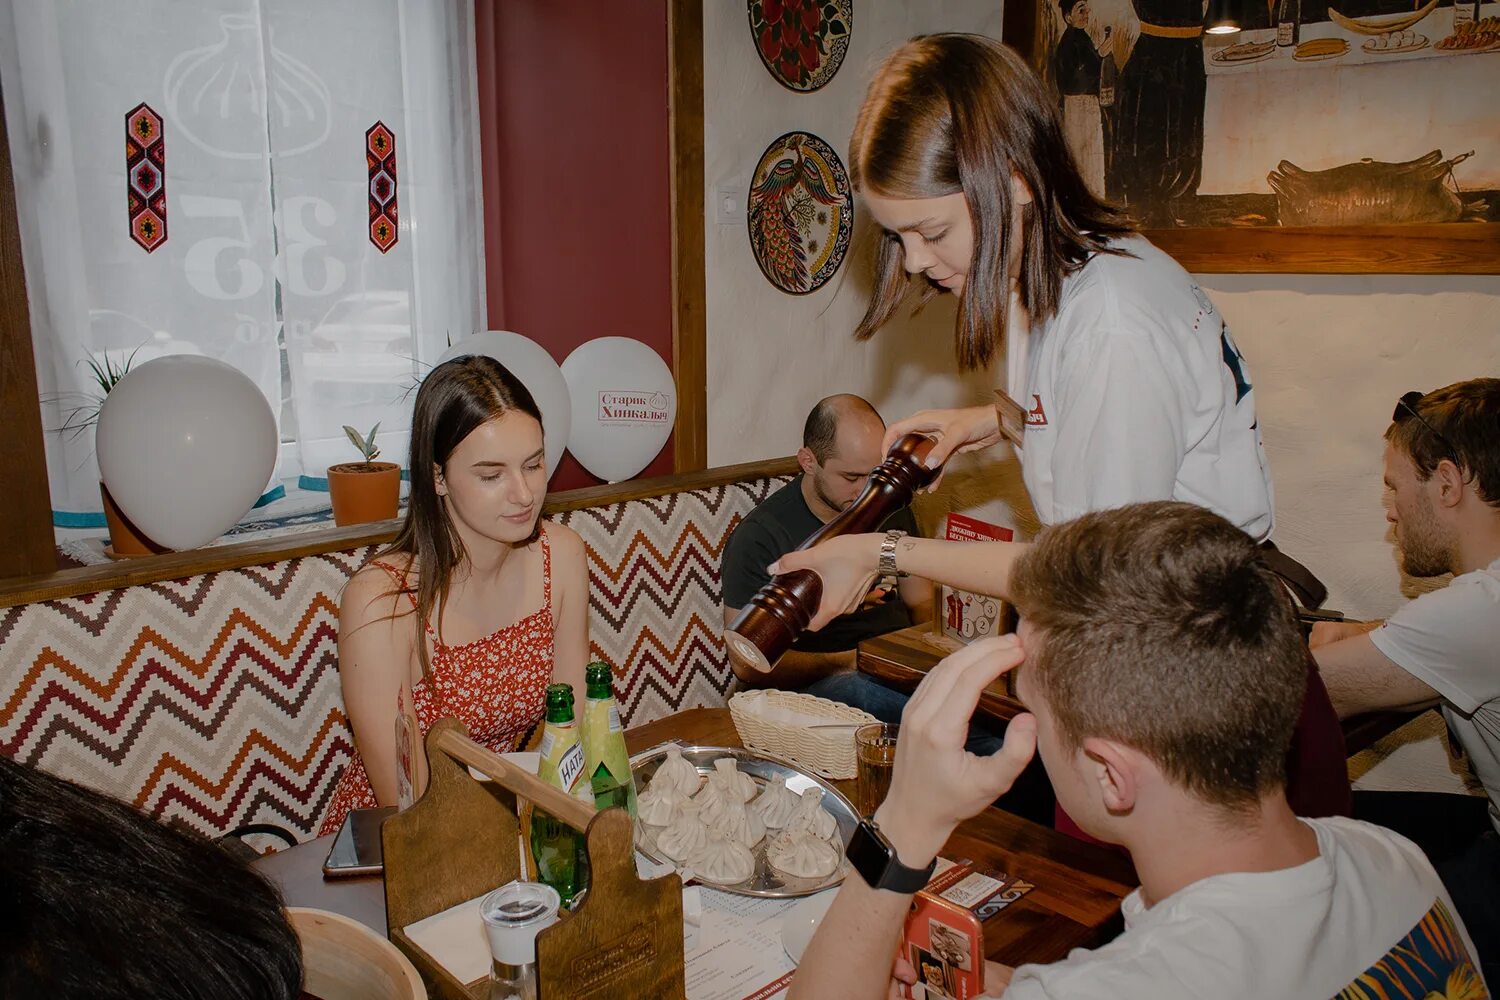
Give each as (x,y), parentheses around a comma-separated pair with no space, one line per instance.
(125,539)
(364,491)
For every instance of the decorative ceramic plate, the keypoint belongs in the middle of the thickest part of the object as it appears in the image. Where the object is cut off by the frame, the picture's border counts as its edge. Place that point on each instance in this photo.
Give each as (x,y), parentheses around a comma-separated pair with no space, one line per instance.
(801,213)
(801,42)
(1245,52)
(766,881)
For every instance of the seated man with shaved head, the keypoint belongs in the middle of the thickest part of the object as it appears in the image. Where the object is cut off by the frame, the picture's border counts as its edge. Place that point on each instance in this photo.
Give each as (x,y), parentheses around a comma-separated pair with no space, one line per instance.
(840,448)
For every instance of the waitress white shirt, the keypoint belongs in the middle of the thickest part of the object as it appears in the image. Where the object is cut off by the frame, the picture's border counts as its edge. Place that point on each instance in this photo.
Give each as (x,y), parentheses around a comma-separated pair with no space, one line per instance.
(1135,391)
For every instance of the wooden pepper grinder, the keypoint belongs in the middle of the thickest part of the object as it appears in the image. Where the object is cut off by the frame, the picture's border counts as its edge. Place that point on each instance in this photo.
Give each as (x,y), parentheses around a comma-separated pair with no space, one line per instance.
(767,626)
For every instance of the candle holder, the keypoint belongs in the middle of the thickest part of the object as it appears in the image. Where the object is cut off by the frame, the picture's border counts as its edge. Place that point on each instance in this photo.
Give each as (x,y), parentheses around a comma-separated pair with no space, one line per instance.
(767,626)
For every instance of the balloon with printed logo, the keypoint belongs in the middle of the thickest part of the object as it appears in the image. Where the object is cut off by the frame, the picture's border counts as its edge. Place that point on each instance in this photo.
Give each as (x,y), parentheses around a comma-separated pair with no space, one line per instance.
(528,361)
(186,445)
(624,405)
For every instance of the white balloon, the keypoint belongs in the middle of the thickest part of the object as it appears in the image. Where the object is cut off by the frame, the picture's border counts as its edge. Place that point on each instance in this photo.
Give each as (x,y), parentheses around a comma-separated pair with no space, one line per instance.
(186,445)
(528,361)
(624,405)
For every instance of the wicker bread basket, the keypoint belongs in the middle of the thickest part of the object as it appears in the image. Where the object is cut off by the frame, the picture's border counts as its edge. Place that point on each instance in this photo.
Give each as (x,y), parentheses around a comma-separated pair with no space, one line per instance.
(829,753)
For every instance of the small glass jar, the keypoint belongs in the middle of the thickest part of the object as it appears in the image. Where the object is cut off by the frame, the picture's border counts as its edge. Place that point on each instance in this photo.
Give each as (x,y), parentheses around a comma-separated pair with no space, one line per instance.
(513,916)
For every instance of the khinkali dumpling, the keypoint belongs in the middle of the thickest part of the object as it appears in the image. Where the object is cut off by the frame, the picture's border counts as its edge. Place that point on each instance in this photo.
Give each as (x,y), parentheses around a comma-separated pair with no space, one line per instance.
(739,823)
(659,802)
(776,804)
(676,770)
(685,835)
(802,855)
(722,861)
(736,783)
(812,817)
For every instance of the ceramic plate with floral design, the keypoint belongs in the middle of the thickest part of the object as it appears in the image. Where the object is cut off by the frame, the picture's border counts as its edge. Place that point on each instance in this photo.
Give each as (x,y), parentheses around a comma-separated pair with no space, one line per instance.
(802,42)
(801,212)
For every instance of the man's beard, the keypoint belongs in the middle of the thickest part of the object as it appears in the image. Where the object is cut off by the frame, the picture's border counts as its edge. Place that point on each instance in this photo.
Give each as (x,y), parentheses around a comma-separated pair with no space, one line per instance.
(828,501)
(1424,551)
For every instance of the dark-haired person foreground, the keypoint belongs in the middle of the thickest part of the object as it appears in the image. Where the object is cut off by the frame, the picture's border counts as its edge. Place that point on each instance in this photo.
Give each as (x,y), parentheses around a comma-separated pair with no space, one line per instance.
(476,606)
(99,901)
(1442,468)
(1163,668)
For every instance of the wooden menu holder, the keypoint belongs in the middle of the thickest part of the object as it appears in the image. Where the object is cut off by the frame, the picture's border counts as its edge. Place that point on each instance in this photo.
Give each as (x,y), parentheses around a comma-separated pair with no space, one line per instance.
(459,841)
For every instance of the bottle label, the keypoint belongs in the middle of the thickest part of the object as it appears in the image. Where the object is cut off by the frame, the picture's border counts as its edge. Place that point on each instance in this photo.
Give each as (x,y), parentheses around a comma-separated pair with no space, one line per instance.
(570,768)
(1284,32)
(614,719)
(1464,13)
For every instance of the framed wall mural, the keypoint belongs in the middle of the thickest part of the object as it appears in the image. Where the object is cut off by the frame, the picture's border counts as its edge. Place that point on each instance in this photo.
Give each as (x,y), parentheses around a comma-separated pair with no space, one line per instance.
(801,42)
(801,213)
(1322,136)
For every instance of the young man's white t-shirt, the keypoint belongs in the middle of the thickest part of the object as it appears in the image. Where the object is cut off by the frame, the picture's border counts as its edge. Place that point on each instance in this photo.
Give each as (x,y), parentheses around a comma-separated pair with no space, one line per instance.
(1135,391)
(1450,639)
(1368,912)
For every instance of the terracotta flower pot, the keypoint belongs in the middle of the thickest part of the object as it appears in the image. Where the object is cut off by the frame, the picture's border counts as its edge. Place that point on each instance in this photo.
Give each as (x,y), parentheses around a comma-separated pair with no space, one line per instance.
(364,491)
(126,541)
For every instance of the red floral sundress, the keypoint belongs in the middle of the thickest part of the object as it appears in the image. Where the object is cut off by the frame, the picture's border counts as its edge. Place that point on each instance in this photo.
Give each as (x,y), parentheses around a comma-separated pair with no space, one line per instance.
(496,686)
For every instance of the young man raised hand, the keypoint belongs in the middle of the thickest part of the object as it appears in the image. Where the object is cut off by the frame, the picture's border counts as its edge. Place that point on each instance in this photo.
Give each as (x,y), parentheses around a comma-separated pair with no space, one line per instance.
(1164,669)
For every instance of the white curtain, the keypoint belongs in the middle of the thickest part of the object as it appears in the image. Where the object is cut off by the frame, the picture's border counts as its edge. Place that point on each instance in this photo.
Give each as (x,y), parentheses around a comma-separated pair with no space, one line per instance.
(264,107)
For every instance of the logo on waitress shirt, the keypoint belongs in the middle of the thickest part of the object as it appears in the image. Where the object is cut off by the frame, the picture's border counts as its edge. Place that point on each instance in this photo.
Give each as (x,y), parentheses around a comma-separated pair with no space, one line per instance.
(1037,415)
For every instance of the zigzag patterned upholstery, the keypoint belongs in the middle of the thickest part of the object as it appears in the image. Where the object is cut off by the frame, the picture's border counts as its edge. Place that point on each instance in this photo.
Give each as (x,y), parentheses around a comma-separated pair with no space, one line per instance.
(215,699)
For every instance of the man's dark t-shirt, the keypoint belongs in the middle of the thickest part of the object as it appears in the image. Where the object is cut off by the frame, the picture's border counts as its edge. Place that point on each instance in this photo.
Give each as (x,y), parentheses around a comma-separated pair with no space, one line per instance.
(773,529)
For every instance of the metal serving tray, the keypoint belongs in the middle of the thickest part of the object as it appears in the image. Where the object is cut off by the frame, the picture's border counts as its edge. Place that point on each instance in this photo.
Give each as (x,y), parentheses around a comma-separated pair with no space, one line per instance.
(766,881)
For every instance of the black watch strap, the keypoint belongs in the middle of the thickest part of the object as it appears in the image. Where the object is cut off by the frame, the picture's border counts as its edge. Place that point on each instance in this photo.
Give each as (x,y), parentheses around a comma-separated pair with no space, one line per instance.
(872,855)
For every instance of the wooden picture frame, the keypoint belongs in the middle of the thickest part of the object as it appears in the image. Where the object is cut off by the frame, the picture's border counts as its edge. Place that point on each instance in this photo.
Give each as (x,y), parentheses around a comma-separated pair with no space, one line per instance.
(1450,248)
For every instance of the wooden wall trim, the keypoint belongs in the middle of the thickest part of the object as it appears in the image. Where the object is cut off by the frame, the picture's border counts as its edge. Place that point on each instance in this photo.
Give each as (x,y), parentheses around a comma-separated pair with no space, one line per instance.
(689,305)
(27,545)
(177,565)
(1451,248)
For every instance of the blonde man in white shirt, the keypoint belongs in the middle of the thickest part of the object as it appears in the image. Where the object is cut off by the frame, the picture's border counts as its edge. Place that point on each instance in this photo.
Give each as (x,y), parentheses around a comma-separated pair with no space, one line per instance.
(1442,467)
(1163,667)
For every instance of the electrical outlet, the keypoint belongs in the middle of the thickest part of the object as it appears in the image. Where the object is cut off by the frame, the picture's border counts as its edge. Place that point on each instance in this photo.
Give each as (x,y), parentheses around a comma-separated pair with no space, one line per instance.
(729,203)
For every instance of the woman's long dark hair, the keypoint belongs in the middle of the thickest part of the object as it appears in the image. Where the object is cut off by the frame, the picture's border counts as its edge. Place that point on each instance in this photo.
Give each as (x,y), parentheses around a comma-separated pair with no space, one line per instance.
(961,113)
(456,397)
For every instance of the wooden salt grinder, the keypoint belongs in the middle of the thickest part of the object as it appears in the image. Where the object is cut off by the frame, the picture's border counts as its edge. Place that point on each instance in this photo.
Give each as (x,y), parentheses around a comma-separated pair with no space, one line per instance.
(767,626)
(459,841)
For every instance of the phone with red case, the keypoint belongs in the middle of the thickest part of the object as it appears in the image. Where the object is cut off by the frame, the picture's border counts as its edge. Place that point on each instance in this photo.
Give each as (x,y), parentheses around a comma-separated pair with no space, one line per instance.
(945,945)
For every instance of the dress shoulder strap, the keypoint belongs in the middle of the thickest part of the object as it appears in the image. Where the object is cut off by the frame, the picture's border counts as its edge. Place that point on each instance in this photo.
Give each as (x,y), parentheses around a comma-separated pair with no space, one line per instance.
(399,575)
(546,569)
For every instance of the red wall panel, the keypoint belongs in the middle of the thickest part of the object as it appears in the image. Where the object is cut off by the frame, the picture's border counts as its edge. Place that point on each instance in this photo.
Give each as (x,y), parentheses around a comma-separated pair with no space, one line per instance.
(573,113)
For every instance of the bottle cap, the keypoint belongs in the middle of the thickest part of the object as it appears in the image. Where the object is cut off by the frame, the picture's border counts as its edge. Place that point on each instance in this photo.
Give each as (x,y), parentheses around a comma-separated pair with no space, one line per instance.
(513,915)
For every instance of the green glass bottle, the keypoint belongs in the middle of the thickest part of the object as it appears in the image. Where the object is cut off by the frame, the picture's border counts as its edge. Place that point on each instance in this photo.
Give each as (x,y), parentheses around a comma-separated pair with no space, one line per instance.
(604,743)
(559,850)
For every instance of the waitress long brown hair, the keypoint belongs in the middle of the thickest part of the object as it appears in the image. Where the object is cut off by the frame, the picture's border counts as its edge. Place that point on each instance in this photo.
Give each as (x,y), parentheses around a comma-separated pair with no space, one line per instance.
(949,114)
(455,398)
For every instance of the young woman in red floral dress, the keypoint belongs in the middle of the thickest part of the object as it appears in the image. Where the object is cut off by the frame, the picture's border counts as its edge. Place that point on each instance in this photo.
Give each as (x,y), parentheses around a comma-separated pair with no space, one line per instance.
(477,605)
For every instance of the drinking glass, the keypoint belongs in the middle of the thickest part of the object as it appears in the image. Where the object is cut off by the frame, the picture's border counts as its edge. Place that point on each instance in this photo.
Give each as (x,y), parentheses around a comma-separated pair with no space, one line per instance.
(875,753)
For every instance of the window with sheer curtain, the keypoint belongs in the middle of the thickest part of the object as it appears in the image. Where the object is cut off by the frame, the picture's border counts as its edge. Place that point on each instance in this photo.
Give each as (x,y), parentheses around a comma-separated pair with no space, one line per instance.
(282,248)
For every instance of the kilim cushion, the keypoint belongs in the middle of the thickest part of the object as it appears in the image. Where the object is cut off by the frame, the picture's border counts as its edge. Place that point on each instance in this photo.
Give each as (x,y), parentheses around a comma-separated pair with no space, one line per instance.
(215,699)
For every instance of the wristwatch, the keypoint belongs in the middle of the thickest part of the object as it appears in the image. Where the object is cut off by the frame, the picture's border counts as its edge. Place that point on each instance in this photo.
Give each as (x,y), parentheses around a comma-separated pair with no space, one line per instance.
(875,859)
(888,553)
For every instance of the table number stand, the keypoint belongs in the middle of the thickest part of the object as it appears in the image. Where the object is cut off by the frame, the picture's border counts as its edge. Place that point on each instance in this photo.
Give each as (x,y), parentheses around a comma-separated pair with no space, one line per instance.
(460,840)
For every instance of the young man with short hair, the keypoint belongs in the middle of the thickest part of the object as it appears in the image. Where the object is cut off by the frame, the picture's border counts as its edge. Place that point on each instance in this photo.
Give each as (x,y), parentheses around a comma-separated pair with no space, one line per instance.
(1164,669)
(1442,468)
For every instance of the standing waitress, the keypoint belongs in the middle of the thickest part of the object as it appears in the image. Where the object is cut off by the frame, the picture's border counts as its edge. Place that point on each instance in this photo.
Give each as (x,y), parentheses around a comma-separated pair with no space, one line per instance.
(1130,385)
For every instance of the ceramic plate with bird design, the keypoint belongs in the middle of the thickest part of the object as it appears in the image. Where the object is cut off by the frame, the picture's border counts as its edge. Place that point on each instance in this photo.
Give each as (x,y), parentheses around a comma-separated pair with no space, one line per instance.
(801,213)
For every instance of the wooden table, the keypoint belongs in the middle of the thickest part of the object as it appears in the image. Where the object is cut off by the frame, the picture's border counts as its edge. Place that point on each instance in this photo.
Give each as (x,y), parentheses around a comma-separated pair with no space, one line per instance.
(901,659)
(1076,901)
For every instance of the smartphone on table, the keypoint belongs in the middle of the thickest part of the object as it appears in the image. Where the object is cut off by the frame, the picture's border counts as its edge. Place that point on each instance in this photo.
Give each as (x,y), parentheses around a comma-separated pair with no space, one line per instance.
(356,849)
